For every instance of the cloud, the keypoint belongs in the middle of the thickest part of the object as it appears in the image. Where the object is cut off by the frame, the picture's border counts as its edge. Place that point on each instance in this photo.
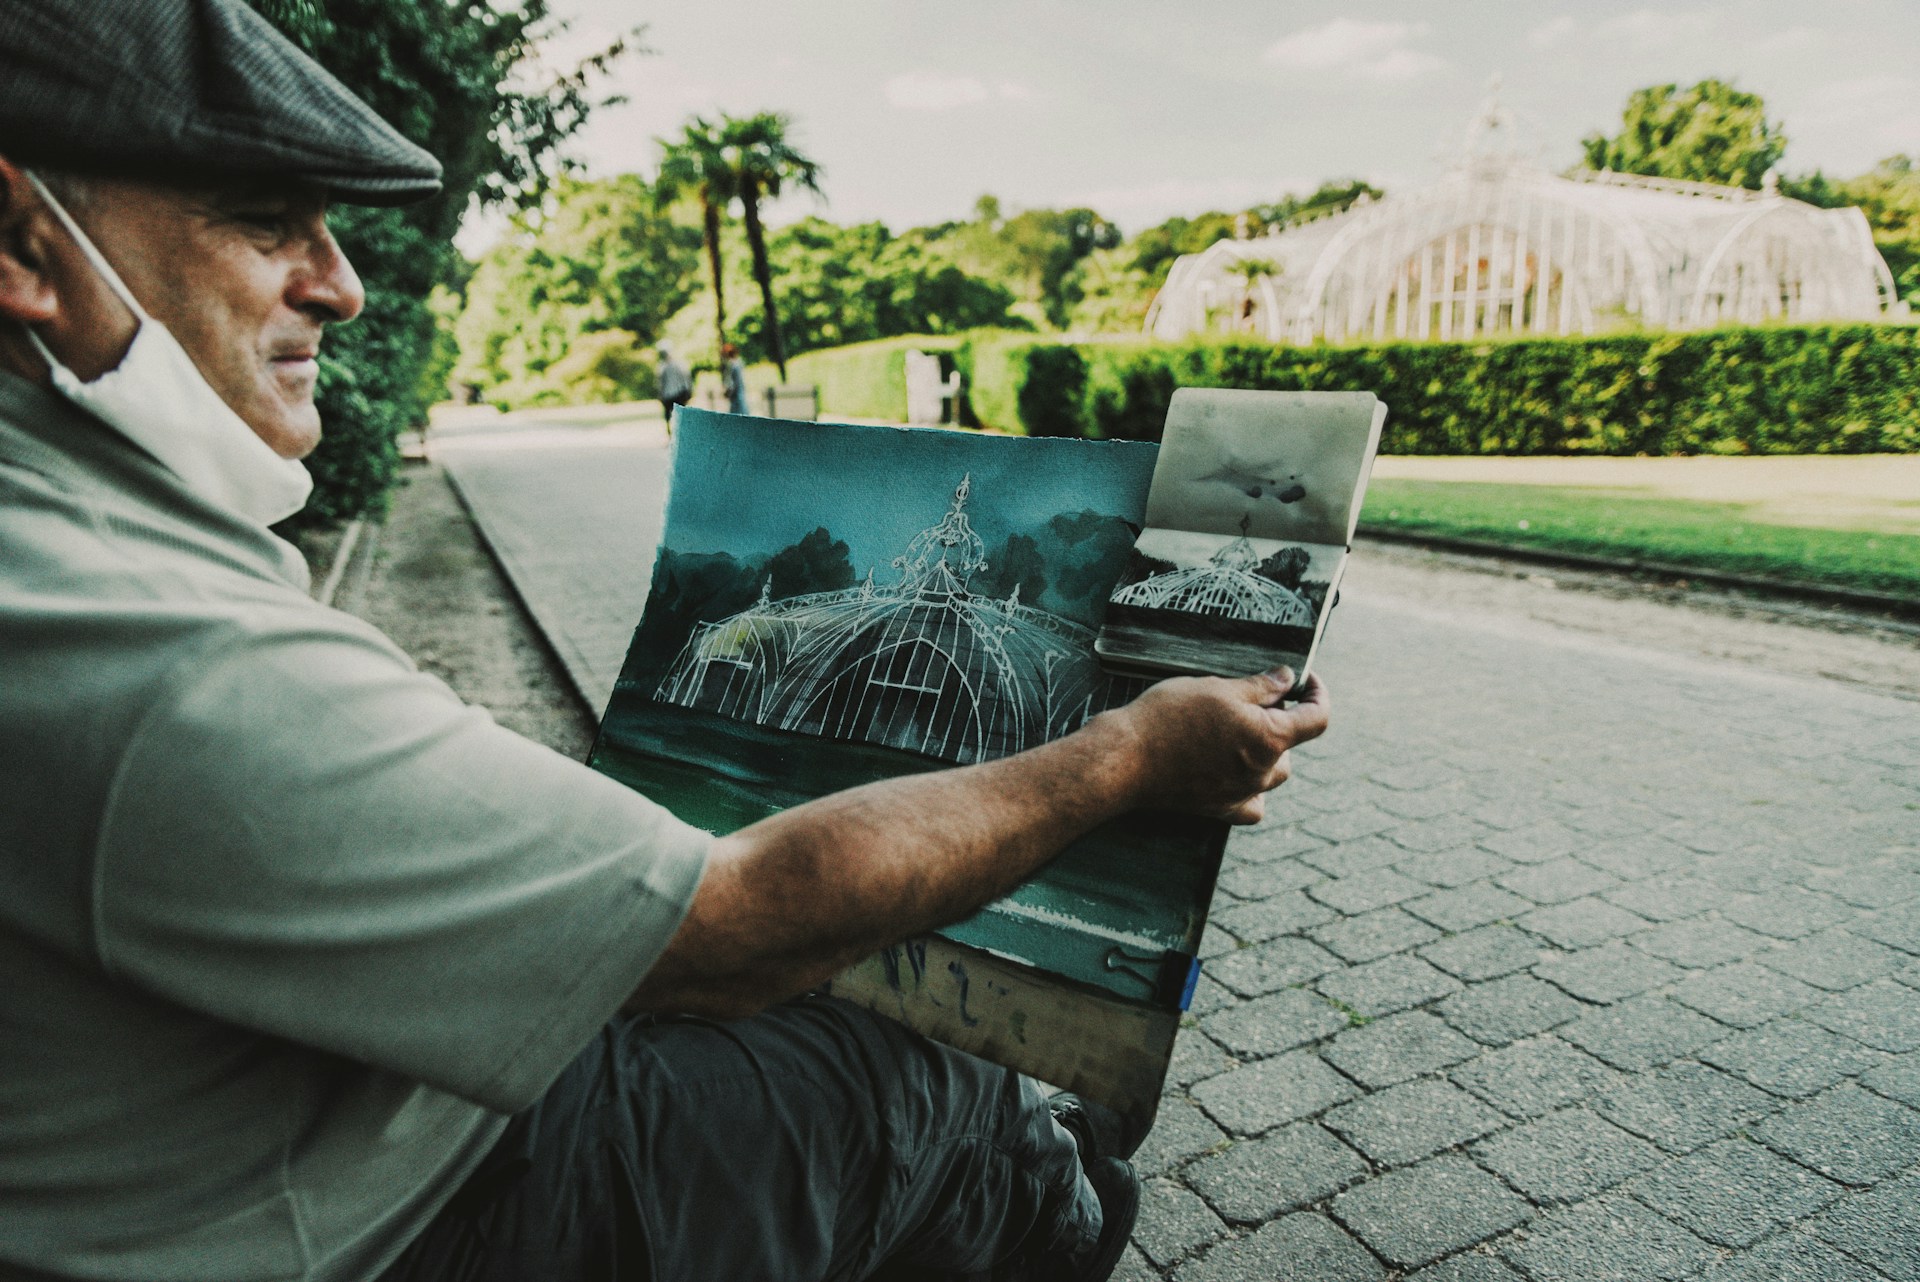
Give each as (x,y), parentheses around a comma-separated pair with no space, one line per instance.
(1856,122)
(1655,28)
(1641,29)
(1375,50)
(934,91)
(1549,34)
(1792,42)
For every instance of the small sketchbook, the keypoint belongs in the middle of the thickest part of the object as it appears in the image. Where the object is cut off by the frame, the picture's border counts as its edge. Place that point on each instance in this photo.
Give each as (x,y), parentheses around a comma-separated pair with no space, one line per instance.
(1252,508)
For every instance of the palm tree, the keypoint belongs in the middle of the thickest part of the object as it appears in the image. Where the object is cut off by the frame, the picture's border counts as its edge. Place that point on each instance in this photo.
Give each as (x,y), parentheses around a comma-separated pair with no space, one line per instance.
(697,162)
(763,161)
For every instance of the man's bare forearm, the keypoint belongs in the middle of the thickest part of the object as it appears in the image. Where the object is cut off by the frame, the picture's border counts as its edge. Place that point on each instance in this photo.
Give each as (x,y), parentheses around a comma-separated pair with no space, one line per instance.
(837,878)
(792,900)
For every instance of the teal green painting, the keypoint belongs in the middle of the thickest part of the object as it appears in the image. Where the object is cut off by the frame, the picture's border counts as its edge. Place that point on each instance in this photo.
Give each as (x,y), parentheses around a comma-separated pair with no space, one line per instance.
(833,604)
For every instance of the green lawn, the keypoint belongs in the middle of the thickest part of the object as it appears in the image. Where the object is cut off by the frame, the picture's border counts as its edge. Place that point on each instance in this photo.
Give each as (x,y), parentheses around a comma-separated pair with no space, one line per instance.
(1725,537)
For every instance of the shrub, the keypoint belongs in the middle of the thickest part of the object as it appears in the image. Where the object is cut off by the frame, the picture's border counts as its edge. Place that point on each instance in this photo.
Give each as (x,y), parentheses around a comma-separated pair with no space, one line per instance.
(992,366)
(455,78)
(861,380)
(1830,389)
(371,386)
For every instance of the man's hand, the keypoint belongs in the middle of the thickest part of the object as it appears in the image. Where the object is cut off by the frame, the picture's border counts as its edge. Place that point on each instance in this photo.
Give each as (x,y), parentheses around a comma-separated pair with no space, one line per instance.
(1217,747)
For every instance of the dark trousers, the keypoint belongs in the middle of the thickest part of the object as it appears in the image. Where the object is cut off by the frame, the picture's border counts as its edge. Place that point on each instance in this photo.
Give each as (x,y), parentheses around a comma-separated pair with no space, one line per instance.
(667,408)
(815,1141)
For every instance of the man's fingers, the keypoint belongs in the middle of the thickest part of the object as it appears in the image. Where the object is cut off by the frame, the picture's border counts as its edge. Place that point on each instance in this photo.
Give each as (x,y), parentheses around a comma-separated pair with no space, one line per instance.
(1250,811)
(1306,719)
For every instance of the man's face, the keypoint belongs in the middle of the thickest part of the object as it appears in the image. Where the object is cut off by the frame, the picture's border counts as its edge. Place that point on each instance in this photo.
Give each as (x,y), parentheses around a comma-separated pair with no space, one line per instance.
(245,275)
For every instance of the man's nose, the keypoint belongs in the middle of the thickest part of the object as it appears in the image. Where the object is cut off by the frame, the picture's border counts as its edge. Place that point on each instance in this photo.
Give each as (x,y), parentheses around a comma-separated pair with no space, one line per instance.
(326,284)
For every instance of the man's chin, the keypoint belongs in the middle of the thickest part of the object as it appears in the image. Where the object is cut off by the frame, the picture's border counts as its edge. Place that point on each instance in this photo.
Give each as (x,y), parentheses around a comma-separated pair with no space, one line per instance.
(290,435)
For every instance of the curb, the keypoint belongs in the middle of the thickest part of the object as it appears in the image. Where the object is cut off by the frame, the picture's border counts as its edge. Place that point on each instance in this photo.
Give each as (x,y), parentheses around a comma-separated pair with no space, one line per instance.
(575,685)
(342,556)
(1886,603)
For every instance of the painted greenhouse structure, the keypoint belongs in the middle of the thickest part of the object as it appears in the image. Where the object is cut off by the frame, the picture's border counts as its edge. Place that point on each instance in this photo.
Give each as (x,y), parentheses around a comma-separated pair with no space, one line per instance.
(923,663)
(1502,246)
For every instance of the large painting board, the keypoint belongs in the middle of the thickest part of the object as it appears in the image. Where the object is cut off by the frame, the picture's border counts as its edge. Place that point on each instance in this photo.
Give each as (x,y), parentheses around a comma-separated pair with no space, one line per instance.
(833,604)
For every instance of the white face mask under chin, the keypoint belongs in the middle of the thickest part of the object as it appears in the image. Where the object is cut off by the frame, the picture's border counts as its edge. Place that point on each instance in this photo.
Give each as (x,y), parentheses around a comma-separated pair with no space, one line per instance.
(158,399)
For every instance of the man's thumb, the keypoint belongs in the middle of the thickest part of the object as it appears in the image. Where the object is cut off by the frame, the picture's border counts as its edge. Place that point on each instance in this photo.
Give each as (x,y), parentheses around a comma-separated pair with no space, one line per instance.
(1268,688)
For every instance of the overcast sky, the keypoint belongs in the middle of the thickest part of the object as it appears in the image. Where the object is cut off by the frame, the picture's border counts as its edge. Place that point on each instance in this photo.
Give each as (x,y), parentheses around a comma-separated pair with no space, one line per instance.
(1144,109)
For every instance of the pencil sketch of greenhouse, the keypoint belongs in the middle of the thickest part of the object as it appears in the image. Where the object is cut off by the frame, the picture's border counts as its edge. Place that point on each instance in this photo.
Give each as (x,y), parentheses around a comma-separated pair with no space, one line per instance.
(923,663)
(1228,586)
(1501,246)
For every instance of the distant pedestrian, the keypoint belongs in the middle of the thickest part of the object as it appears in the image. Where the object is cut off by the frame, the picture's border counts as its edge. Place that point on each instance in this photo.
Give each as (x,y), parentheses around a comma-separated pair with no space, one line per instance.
(676,383)
(733,373)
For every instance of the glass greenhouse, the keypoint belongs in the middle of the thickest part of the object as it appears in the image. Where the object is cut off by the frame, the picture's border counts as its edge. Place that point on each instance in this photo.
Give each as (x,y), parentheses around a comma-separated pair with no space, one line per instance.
(1500,245)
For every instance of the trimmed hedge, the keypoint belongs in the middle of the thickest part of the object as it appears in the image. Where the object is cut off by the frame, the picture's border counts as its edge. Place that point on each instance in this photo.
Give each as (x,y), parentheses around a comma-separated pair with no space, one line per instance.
(1834,389)
(860,380)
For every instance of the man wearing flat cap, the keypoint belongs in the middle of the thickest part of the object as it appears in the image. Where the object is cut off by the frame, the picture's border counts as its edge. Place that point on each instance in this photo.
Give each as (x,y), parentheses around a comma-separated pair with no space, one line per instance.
(307,969)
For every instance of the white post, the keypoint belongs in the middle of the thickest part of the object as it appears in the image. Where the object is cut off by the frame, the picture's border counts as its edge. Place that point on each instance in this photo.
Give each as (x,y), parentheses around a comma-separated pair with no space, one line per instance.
(1472,308)
(1570,269)
(1400,294)
(1543,279)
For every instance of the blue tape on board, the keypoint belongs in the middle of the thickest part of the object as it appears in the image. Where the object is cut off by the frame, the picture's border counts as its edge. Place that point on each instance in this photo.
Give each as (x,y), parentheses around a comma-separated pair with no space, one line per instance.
(1193,982)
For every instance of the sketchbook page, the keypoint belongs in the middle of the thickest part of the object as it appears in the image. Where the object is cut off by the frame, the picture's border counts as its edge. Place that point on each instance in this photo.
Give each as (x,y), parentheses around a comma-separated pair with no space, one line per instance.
(1254,498)
(1366,469)
(1305,668)
(836,604)
(1282,466)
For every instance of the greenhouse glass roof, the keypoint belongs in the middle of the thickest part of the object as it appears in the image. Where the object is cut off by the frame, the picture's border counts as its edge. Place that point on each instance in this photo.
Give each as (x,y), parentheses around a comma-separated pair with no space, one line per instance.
(1502,246)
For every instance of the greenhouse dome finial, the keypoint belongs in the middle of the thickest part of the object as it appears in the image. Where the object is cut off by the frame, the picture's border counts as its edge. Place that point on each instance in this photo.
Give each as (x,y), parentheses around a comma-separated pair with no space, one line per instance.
(943,557)
(1494,132)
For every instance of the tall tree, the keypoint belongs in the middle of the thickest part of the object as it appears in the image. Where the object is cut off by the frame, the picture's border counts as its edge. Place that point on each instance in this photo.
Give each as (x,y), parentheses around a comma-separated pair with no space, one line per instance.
(697,164)
(1889,195)
(559,309)
(834,285)
(764,162)
(1034,252)
(1709,132)
(462,78)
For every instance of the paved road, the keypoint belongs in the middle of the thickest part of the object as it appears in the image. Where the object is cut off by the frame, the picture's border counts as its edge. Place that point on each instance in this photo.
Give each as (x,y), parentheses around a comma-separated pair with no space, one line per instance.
(1559,959)
(572,513)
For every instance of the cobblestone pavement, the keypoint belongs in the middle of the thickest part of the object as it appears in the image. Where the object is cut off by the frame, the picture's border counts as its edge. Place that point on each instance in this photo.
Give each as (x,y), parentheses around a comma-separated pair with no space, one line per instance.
(1558,959)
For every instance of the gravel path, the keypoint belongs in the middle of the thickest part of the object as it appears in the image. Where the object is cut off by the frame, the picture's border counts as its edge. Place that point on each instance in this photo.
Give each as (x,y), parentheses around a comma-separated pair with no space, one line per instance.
(427,581)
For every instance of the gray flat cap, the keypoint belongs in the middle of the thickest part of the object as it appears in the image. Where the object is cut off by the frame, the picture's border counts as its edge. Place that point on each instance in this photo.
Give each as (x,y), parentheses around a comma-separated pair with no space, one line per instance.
(185,88)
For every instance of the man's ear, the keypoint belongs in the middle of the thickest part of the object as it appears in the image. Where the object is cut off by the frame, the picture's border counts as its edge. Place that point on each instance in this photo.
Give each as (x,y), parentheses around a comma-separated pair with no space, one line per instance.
(26,289)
